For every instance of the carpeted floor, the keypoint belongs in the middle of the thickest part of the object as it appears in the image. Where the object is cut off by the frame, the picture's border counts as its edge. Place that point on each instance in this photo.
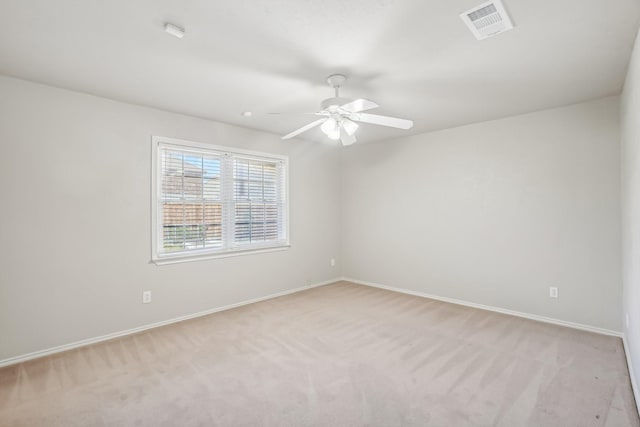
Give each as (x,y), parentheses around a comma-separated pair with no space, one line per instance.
(338,355)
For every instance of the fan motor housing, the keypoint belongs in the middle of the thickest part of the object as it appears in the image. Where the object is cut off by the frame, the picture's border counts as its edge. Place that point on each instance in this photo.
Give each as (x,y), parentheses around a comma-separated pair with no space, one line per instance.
(330,102)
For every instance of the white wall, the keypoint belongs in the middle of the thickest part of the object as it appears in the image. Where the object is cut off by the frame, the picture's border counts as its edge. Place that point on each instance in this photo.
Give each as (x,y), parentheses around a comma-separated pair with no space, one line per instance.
(491,213)
(75,215)
(494,213)
(630,119)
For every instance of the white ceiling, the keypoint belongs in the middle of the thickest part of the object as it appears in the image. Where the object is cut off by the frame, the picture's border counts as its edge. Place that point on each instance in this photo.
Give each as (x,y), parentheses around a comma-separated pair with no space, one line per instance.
(415,58)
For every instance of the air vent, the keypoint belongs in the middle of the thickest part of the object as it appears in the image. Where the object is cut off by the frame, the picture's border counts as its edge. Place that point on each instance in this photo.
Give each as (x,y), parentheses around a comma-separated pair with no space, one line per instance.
(487,20)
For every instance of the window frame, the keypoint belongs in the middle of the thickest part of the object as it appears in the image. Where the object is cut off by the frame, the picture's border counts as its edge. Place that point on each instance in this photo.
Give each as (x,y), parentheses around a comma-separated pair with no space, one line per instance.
(159,257)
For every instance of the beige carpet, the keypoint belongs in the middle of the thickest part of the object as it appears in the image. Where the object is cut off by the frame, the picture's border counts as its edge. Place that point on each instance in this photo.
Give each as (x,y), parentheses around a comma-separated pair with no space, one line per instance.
(339,355)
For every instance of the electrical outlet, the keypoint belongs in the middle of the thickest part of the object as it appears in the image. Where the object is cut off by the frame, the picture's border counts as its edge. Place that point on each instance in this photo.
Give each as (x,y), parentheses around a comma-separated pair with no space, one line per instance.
(626,318)
(146,297)
(333,262)
(553,292)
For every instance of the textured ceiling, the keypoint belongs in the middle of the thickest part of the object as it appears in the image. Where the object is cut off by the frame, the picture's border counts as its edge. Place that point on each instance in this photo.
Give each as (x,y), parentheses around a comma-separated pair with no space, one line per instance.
(416,59)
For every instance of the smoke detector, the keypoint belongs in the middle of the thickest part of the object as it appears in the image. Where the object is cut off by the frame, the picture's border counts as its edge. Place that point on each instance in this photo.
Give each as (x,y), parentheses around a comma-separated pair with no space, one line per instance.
(174,30)
(487,19)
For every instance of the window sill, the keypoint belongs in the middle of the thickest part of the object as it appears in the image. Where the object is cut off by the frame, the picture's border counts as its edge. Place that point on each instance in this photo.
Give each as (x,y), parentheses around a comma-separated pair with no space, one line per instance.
(200,257)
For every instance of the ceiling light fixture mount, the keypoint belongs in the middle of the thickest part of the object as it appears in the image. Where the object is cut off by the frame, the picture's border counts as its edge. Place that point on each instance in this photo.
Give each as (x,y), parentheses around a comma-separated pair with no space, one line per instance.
(335,81)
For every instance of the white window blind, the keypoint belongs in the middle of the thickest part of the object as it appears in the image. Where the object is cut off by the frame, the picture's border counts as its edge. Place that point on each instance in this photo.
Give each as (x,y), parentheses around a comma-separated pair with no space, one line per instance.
(213,201)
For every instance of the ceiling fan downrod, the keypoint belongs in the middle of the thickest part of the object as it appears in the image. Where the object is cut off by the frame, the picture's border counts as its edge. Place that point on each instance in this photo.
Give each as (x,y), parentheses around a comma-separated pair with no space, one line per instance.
(335,81)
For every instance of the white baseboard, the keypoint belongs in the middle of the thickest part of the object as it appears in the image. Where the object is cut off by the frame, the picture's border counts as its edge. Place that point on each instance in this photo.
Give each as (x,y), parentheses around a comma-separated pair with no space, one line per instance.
(632,376)
(82,343)
(490,308)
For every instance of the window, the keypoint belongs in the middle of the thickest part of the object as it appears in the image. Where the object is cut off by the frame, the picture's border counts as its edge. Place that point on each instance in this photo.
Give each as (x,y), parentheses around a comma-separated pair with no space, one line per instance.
(214,201)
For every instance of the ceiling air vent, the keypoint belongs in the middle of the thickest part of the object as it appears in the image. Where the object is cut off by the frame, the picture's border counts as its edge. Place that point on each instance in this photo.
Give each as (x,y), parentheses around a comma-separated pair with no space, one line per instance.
(487,19)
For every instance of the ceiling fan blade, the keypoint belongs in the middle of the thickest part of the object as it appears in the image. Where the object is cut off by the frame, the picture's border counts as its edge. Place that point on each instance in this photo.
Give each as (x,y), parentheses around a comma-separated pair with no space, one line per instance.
(296,113)
(359,105)
(304,128)
(347,139)
(382,120)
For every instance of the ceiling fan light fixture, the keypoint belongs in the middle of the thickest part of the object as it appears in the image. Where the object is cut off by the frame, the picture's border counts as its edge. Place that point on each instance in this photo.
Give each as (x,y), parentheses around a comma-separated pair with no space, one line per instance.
(349,127)
(329,126)
(334,135)
(340,116)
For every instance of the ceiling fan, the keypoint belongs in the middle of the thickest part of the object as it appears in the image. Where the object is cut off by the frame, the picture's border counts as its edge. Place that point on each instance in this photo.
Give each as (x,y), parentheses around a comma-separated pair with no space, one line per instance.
(340,116)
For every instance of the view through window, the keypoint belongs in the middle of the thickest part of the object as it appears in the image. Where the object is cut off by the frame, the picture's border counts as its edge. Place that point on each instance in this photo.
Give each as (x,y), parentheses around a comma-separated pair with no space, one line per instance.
(211,200)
